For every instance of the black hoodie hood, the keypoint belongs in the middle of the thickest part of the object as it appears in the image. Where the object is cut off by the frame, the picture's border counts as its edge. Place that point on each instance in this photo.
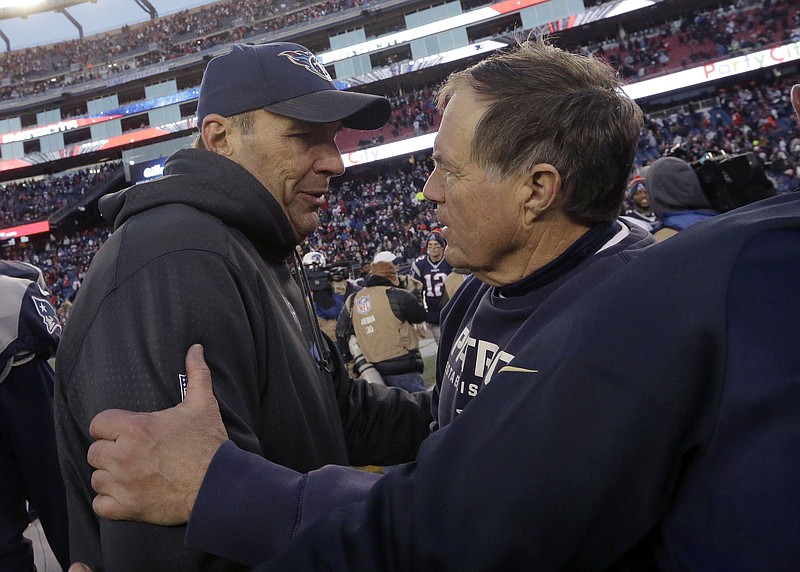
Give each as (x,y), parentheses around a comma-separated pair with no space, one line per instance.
(213,184)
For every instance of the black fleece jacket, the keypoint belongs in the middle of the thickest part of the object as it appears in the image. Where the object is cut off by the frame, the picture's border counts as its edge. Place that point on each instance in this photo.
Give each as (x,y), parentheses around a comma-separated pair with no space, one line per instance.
(204,255)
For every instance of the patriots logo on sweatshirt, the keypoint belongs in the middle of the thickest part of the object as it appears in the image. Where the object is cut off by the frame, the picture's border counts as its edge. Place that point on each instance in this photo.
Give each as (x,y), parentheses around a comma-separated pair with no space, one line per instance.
(308,61)
(47,314)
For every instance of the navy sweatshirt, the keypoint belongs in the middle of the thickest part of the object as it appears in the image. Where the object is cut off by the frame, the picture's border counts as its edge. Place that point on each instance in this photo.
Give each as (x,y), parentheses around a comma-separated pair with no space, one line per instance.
(282,502)
(653,425)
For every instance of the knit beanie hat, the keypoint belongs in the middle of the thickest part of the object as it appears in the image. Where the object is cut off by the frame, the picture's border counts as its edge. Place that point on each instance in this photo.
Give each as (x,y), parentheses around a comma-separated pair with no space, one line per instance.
(437,237)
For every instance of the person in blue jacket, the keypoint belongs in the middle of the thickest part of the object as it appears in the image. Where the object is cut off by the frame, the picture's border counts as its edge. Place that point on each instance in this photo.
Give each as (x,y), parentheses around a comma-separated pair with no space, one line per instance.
(30,478)
(608,444)
(676,196)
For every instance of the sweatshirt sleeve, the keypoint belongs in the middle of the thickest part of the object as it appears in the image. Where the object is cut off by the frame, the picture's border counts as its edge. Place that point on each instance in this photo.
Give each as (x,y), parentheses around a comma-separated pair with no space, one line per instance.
(249,508)
(382,425)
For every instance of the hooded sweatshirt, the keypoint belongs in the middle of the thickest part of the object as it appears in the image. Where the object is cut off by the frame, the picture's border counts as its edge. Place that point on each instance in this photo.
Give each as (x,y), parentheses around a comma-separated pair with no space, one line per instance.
(202,255)
(676,196)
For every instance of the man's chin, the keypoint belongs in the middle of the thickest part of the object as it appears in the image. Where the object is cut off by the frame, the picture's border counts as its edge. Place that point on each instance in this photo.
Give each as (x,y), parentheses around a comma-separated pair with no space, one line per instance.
(454,258)
(305,228)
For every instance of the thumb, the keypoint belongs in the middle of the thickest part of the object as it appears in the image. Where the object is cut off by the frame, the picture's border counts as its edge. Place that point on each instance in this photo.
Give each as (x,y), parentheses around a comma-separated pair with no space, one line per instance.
(200,398)
(79,567)
(198,386)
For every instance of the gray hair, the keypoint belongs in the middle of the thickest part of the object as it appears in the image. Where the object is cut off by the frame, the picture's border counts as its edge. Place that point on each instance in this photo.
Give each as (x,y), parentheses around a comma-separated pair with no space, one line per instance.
(546,105)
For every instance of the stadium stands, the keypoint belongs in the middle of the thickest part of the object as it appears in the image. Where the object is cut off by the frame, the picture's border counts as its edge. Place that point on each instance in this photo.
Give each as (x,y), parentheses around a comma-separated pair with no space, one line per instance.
(375,207)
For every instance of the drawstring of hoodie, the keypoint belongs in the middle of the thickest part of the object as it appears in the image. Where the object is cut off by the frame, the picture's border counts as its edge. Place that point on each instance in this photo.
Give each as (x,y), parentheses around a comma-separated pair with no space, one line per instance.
(302,280)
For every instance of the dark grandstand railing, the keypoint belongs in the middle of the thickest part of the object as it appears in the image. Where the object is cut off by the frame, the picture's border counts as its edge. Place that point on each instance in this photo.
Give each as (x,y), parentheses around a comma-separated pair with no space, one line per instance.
(114,182)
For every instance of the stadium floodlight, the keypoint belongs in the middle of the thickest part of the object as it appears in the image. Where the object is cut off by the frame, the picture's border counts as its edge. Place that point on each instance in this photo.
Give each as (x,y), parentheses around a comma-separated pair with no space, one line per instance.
(20,3)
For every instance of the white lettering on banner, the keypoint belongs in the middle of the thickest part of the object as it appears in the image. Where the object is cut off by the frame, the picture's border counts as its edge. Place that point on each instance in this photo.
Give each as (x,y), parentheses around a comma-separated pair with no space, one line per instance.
(393,149)
(40,131)
(154,171)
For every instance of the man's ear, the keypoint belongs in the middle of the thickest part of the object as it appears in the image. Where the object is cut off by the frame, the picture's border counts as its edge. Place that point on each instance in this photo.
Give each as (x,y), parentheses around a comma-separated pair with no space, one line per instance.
(796,99)
(216,134)
(543,184)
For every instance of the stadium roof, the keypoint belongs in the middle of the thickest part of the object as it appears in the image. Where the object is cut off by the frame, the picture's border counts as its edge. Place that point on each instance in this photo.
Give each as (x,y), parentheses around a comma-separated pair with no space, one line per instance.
(29,23)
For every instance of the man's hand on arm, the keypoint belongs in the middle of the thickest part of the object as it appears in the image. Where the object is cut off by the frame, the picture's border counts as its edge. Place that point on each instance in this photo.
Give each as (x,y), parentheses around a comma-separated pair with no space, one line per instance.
(149,466)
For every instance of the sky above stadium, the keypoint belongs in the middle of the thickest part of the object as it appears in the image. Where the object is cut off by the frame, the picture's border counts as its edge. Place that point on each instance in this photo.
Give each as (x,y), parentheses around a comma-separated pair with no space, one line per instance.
(95,17)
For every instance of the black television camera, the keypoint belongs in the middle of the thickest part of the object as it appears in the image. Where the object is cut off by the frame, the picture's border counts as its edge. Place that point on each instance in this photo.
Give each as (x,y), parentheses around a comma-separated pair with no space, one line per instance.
(730,181)
(320,277)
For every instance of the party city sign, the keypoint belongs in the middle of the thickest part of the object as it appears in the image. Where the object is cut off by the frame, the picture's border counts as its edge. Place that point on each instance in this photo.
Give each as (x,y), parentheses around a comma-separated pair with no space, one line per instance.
(755,61)
(714,71)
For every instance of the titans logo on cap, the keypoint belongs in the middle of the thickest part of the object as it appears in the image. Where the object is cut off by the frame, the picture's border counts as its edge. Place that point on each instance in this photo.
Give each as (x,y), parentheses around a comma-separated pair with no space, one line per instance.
(309,61)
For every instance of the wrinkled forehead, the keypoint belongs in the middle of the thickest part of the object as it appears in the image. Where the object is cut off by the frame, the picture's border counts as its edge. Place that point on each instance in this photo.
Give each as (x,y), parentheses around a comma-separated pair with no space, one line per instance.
(457,128)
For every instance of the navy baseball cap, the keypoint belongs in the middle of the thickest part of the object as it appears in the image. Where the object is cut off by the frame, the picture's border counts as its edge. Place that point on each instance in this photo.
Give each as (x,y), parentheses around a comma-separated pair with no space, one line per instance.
(288,80)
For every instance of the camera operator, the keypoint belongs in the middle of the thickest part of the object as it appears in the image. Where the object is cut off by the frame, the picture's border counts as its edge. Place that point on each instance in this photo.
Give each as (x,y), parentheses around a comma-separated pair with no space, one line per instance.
(329,289)
(381,317)
(676,196)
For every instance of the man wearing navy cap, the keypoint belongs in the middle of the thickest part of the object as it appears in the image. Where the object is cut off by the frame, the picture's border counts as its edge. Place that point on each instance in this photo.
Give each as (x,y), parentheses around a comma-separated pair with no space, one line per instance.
(208,254)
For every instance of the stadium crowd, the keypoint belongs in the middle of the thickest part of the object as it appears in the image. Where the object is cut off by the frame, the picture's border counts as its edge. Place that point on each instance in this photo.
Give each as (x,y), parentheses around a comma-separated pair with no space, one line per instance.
(65,262)
(33,200)
(31,69)
(380,210)
(751,118)
(413,113)
(703,35)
